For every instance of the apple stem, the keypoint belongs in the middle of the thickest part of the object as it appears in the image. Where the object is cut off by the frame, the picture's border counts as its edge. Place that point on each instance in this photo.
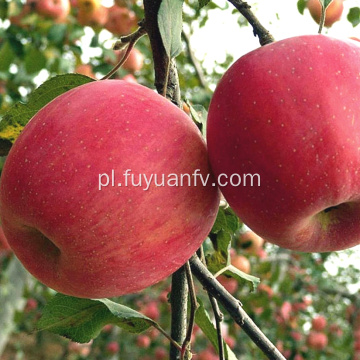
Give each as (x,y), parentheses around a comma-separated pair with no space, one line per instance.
(322,18)
(259,30)
(234,308)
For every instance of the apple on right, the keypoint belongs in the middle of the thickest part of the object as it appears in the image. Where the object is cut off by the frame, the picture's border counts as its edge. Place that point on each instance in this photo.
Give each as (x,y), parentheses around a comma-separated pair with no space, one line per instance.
(333,11)
(290,112)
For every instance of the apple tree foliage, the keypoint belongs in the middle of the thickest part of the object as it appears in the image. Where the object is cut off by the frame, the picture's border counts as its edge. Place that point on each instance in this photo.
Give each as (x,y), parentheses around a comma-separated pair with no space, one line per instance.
(284,291)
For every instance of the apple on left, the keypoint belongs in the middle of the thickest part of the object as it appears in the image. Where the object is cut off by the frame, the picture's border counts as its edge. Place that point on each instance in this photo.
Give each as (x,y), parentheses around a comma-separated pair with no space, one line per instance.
(87,242)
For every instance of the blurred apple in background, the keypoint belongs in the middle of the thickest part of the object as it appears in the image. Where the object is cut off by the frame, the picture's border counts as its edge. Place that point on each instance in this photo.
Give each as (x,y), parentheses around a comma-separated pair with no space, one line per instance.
(242,263)
(85,69)
(121,20)
(333,11)
(92,13)
(55,9)
(250,242)
(134,62)
(317,340)
(319,323)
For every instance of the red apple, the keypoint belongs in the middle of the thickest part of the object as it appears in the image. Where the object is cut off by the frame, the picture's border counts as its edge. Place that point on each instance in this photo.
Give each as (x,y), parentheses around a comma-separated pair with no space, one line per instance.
(207,354)
(230,284)
(250,242)
(88,6)
(266,289)
(31,304)
(160,353)
(317,340)
(55,9)
(129,78)
(319,323)
(79,219)
(4,245)
(113,347)
(121,20)
(288,114)
(134,62)
(97,18)
(151,310)
(333,11)
(242,263)
(296,335)
(143,341)
(85,69)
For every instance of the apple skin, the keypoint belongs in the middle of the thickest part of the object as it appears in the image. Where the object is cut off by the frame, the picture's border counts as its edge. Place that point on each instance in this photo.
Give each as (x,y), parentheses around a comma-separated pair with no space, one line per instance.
(333,11)
(89,243)
(289,111)
(4,245)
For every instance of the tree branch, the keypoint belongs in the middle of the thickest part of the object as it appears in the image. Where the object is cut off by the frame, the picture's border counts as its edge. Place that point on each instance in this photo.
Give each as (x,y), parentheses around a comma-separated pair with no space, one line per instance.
(178,300)
(234,308)
(264,35)
(160,57)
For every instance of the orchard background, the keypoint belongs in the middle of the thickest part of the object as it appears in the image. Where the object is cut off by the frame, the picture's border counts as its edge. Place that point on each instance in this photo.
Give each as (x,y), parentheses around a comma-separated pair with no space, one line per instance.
(308,305)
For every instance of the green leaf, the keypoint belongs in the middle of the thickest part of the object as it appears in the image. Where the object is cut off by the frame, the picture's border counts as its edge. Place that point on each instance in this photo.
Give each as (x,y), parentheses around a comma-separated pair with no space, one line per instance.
(34,61)
(226,220)
(203,3)
(301,5)
(202,319)
(7,56)
(18,115)
(354,16)
(82,319)
(199,114)
(170,26)
(325,3)
(242,277)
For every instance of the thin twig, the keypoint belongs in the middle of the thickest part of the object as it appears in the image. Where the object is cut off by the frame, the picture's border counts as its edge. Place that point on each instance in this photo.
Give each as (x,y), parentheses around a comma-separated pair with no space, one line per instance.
(218,319)
(193,307)
(129,41)
(264,35)
(234,308)
(198,69)
(322,18)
